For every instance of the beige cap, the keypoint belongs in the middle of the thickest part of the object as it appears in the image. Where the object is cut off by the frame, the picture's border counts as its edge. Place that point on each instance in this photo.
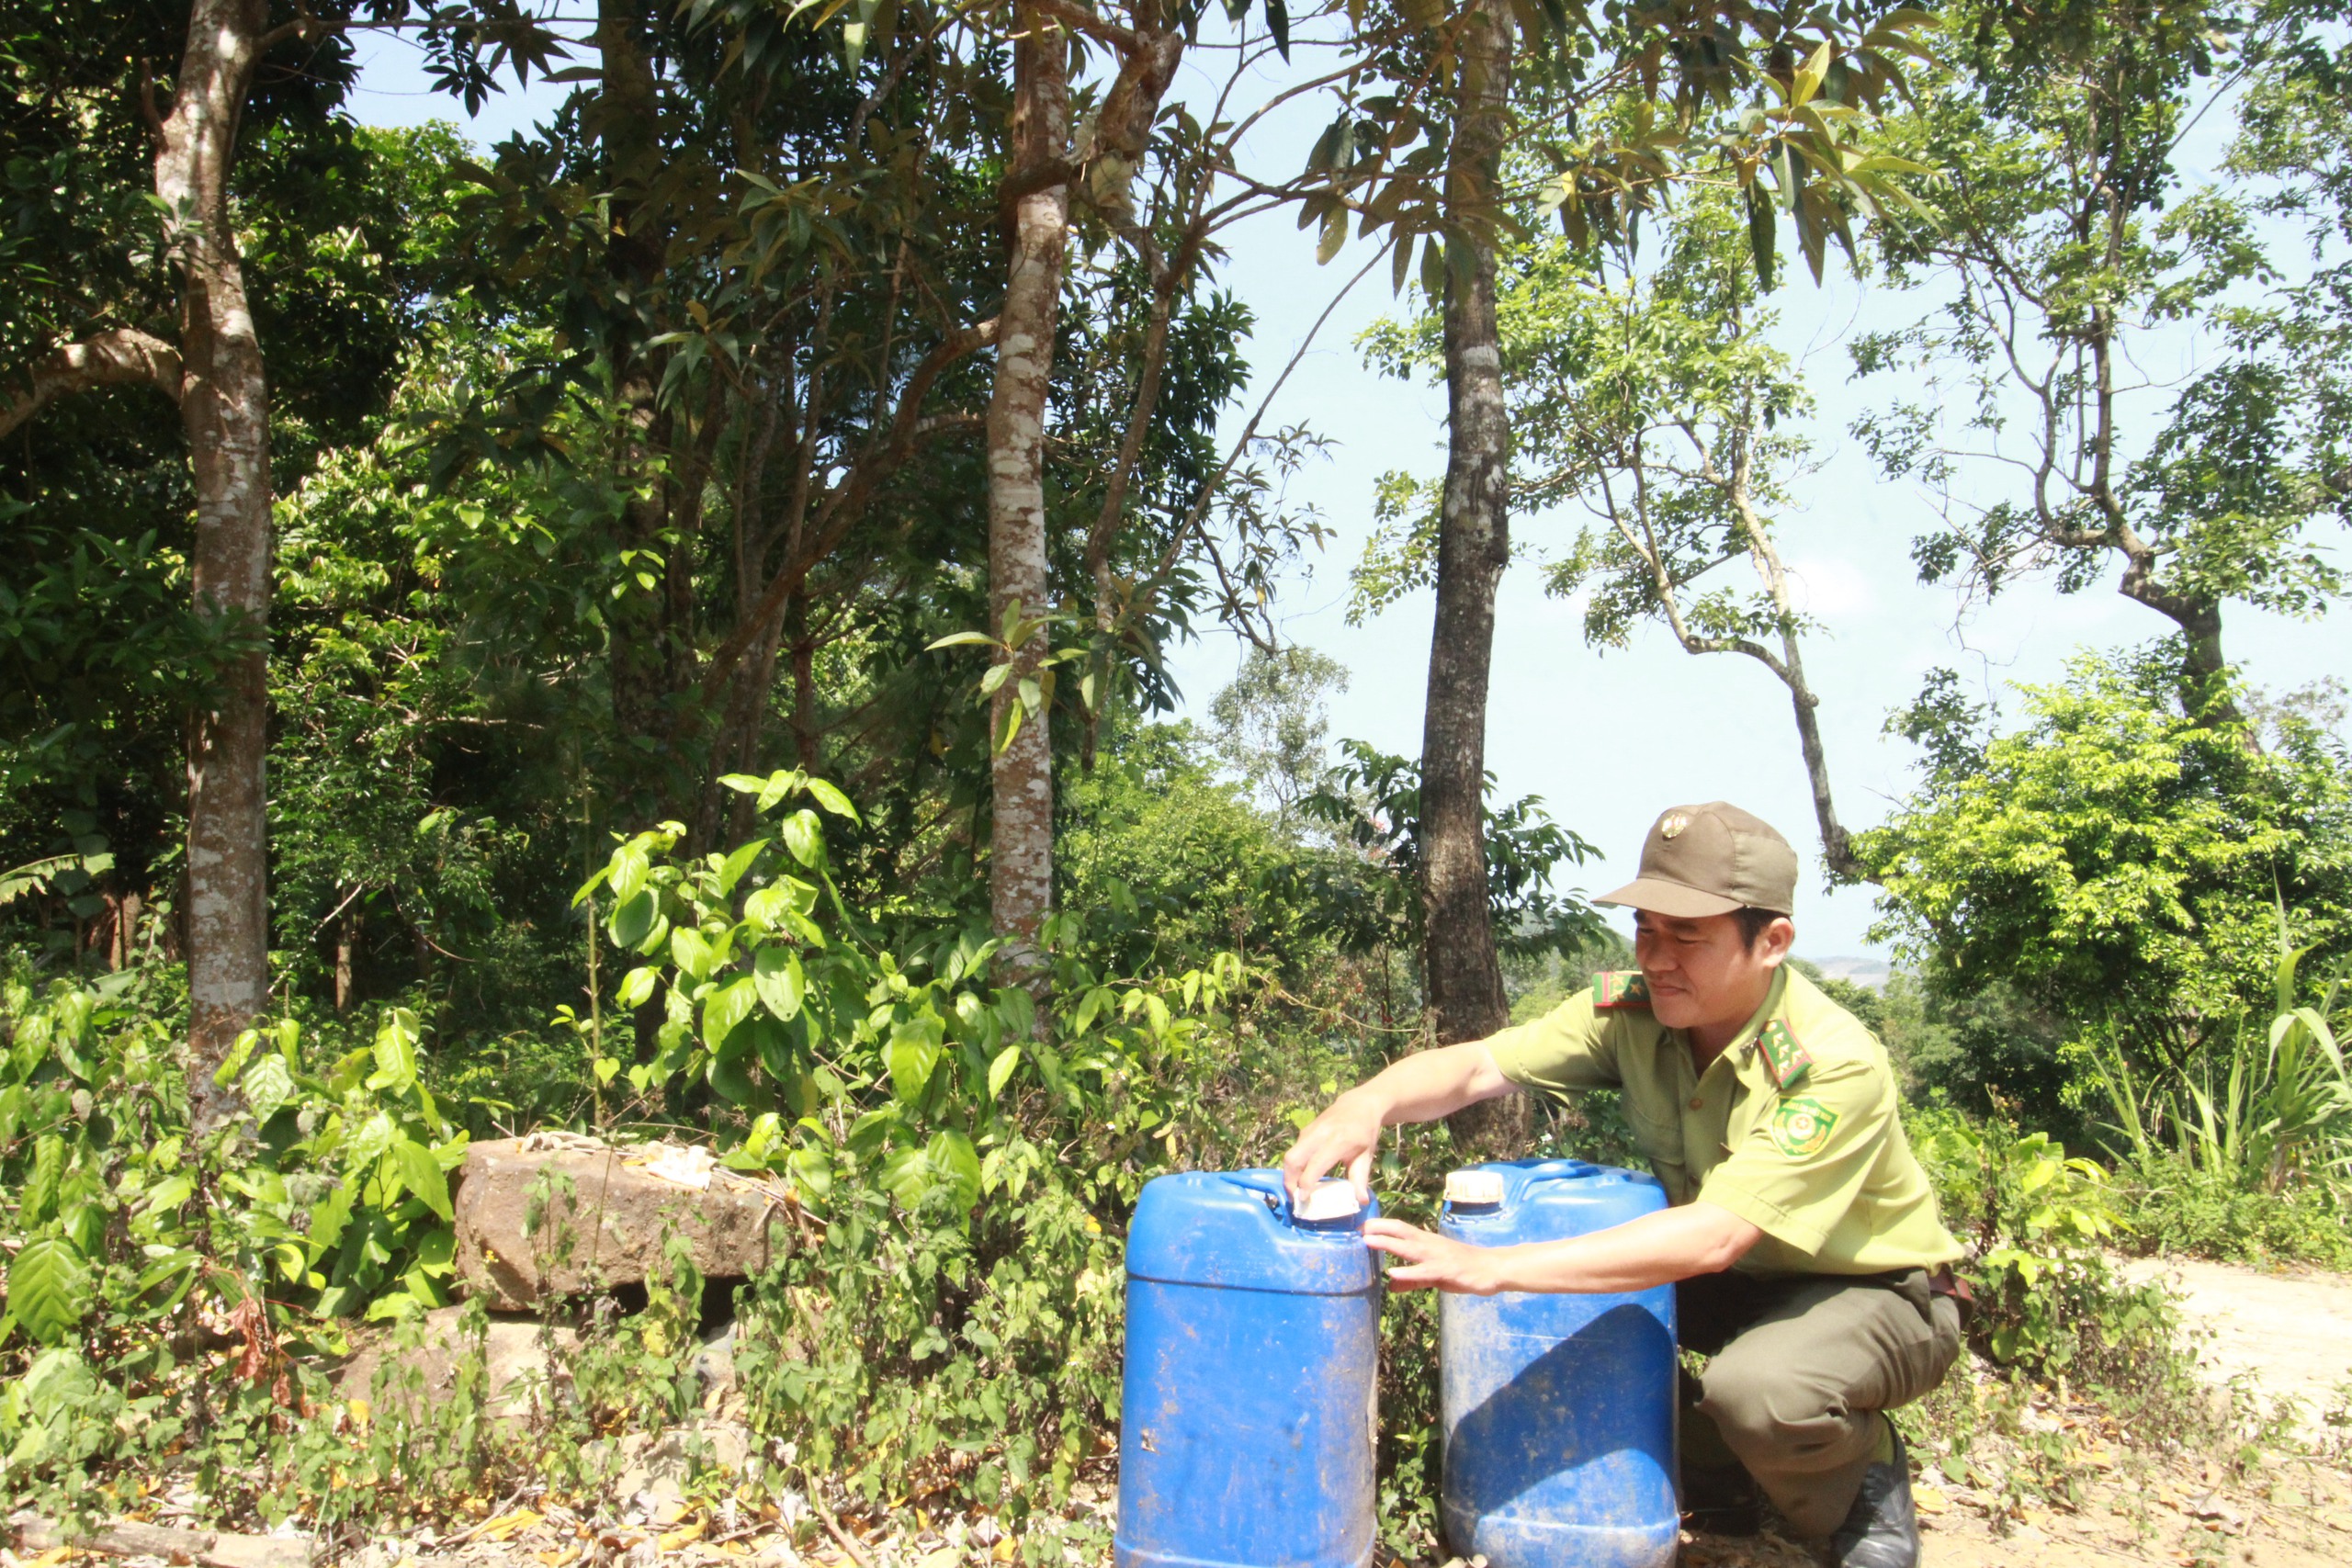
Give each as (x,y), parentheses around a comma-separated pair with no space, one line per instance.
(1330,1200)
(1483,1187)
(1709,860)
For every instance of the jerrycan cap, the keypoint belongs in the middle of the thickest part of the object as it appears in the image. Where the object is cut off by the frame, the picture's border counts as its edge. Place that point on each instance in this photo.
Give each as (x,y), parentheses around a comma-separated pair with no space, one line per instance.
(1474,1188)
(1332,1202)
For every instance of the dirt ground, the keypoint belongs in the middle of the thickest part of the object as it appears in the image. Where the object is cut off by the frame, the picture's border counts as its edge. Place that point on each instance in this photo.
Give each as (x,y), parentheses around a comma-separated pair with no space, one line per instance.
(2285,1336)
(2295,1514)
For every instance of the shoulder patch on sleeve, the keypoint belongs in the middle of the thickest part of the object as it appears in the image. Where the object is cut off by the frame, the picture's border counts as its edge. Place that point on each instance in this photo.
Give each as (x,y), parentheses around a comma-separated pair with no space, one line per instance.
(1783,1057)
(1620,988)
(1800,1127)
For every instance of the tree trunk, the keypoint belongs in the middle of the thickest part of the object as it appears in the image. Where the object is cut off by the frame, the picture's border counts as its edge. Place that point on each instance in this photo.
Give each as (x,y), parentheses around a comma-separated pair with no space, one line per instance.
(1021,848)
(2205,670)
(643,654)
(805,725)
(225,407)
(1458,958)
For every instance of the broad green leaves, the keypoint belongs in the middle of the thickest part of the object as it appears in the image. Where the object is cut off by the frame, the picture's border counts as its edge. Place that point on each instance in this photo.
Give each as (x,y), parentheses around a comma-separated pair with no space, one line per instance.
(911,1056)
(729,1005)
(792,1008)
(777,977)
(48,1289)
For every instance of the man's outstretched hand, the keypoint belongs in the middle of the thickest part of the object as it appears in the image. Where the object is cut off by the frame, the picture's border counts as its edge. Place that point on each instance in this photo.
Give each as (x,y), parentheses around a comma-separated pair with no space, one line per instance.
(1347,1133)
(1429,1261)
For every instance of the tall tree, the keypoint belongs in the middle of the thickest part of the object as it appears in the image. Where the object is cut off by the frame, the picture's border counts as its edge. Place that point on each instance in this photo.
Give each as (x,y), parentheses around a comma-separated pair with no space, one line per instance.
(2070,233)
(1461,968)
(1652,396)
(1036,195)
(216,374)
(1815,73)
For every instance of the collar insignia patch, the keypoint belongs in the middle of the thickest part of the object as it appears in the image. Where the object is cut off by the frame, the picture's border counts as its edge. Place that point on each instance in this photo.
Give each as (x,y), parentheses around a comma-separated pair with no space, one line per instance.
(1783,1057)
(1620,988)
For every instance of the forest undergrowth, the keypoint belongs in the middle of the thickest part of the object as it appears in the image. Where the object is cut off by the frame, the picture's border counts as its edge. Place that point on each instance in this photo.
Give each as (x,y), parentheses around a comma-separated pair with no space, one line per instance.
(943,1333)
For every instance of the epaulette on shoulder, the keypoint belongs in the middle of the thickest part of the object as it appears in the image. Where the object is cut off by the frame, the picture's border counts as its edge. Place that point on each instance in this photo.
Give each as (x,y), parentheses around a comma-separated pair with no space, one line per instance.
(1785,1059)
(1620,988)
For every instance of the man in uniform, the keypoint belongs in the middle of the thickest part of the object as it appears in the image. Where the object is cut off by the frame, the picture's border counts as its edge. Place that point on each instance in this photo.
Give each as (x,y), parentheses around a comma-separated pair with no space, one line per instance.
(1802,1239)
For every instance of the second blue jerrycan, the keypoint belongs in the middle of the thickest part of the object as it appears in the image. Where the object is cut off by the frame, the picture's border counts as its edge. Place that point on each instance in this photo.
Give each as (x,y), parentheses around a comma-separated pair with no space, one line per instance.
(1248,1412)
(1559,1410)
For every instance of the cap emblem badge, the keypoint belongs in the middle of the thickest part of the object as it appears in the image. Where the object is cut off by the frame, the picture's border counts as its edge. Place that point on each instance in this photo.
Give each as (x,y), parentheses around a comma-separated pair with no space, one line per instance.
(1672,823)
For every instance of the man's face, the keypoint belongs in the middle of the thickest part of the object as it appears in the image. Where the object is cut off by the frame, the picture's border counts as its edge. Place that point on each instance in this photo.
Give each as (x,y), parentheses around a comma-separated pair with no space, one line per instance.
(1702,971)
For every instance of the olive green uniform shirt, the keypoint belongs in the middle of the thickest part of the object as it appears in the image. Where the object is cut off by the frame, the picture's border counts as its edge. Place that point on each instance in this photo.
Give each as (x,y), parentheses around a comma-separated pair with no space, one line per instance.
(1794,1127)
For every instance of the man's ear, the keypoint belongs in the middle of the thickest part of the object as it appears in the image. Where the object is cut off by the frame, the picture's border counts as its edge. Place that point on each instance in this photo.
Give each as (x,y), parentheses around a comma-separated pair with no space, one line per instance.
(1777,942)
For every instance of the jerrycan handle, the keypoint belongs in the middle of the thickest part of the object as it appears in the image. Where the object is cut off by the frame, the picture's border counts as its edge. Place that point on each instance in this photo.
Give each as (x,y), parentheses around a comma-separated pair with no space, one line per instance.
(1331,1207)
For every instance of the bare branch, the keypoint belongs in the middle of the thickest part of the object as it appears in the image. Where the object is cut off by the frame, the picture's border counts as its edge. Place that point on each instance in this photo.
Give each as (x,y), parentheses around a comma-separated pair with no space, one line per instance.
(125,358)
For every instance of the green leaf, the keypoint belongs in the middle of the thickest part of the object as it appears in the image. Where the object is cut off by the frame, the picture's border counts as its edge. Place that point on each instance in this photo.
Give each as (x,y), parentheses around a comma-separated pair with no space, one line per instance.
(831,799)
(632,920)
(954,1162)
(1001,1070)
(423,1175)
(437,1253)
(912,1055)
(805,837)
(731,1079)
(637,987)
(731,871)
(267,1085)
(630,868)
(329,1215)
(812,1173)
(226,1074)
(729,1005)
(395,1052)
(690,953)
(167,1194)
(781,985)
(960,640)
(40,1196)
(48,1289)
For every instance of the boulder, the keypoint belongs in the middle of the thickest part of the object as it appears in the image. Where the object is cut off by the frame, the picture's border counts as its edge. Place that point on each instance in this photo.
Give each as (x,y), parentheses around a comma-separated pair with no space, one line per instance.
(519,1371)
(547,1216)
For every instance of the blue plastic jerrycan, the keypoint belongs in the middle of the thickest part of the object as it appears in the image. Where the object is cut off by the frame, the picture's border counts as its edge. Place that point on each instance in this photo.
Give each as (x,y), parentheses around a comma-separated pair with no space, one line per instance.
(1247,1419)
(1559,1409)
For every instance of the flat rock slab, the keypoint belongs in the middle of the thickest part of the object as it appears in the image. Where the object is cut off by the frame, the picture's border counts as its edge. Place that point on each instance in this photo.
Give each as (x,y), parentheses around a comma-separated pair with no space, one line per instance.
(543,1217)
(523,1363)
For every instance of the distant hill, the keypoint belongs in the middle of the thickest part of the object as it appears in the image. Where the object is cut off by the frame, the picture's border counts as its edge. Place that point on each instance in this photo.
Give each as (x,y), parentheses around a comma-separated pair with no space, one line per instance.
(1871,973)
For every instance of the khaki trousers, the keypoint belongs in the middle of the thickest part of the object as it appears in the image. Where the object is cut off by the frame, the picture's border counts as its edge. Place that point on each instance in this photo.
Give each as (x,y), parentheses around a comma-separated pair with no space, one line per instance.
(1802,1365)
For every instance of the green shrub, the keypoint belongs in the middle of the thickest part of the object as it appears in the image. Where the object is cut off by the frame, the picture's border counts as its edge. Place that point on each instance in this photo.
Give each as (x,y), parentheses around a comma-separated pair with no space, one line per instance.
(2170,1204)
(2049,1307)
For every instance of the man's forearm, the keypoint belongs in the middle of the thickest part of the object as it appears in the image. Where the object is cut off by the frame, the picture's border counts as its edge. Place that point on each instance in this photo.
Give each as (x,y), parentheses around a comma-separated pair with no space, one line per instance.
(1657,1249)
(1435,1083)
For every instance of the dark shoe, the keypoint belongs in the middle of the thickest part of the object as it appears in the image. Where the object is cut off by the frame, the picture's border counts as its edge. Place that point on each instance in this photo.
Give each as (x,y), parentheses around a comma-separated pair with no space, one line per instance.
(1721,1499)
(1882,1530)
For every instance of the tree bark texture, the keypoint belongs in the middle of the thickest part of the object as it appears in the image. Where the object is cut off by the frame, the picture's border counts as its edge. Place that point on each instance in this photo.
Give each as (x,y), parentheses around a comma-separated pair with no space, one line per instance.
(224,406)
(650,655)
(1021,845)
(1459,962)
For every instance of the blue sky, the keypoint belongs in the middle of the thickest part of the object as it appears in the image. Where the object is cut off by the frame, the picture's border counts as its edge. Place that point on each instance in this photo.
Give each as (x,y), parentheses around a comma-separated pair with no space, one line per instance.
(1608,741)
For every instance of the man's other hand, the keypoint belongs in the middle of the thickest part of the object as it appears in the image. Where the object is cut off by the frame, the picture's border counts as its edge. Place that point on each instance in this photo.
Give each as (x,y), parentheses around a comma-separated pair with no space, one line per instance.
(1427,1261)
(1347,1133)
